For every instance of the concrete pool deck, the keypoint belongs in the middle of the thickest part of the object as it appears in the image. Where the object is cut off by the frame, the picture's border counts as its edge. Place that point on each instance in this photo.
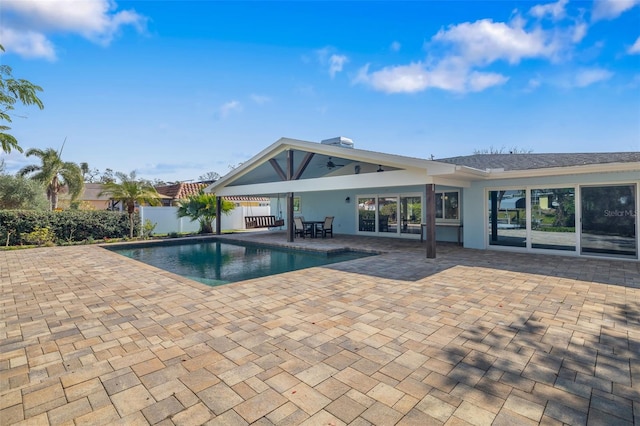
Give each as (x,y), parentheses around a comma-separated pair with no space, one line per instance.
(472,337)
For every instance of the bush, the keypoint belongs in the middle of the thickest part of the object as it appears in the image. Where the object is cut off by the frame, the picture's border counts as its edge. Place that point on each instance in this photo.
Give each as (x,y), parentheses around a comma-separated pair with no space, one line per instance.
(147,229)
(67,226)
(40,236)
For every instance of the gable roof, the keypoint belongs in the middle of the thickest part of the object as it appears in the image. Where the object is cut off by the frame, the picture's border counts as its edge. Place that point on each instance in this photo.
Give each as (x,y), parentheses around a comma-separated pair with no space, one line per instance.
(512,162)
(291,165)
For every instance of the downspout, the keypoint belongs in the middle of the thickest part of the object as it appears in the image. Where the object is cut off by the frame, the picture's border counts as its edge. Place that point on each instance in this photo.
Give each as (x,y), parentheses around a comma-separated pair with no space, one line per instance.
(218,213)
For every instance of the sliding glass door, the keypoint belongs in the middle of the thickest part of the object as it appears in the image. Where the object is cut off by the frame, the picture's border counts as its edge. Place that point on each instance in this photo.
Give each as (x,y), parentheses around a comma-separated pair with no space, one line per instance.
(390,214)
(508,218)
(545,218)
(553,219)
(367,214)
(609,220)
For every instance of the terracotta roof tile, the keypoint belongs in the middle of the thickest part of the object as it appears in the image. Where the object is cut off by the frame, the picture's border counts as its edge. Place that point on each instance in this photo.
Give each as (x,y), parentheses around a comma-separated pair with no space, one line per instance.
(180,191)
(242,198)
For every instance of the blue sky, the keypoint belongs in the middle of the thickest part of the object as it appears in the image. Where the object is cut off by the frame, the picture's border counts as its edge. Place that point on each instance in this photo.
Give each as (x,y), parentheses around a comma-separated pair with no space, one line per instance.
(176,89)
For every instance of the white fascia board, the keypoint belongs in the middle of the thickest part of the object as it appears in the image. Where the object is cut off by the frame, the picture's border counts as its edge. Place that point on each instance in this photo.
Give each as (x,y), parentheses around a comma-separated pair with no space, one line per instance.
(397,161)
(368,180)
(249,165)
(451,182)
(562,171)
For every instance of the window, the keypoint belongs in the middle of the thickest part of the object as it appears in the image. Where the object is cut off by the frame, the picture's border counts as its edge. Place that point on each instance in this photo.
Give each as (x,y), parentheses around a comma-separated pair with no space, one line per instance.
(398,214)
(508,218)
(448,206)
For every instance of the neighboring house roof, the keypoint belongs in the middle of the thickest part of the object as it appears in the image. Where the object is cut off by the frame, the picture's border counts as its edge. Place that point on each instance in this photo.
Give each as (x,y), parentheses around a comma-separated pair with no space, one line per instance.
(180,191)
(241,198)
(92,192)
(510,162)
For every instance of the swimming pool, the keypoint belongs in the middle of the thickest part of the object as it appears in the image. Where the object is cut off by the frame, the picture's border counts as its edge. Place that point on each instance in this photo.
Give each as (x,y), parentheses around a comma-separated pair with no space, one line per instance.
(216,263)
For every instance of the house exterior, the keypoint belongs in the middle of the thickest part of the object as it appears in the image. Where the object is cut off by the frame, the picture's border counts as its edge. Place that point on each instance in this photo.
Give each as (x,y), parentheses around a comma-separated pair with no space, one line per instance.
(90,199)
(580,204)
(172,194)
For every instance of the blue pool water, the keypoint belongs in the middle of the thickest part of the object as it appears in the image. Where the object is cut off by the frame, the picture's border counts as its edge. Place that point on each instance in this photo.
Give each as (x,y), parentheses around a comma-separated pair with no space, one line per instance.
(216,263)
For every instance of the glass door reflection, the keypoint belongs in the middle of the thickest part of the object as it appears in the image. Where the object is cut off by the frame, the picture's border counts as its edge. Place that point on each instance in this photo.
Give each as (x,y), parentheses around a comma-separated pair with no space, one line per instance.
(609,220)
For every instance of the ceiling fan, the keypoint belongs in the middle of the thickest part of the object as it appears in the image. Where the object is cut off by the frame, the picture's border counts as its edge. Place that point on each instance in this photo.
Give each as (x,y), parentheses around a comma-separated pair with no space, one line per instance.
(330,164)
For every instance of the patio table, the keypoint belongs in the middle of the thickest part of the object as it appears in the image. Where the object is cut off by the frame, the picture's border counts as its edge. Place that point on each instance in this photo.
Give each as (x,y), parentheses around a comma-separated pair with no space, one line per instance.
(313,224)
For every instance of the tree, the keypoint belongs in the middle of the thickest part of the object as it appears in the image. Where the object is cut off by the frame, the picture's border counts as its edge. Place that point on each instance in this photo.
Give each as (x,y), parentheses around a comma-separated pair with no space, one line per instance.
(202,207)
(54,174)
(503,150)
(209,177)
(89,175)
(11,91)
(107,176)
(131,191)
(18,193)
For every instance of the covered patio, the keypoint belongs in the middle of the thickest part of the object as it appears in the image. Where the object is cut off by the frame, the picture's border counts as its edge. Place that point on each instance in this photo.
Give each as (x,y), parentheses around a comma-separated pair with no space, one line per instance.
(472,337)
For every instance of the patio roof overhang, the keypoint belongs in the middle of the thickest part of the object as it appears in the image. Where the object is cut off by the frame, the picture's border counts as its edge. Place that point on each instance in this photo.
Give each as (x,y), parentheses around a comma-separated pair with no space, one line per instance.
(267,173)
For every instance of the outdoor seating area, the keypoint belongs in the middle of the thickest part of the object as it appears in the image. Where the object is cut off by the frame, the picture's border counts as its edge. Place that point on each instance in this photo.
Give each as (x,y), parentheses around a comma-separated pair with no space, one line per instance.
(313,228)
(251,222)
(472,337)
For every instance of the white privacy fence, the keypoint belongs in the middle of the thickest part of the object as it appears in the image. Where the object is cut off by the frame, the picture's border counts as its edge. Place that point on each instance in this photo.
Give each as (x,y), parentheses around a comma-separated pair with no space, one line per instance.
(166,219)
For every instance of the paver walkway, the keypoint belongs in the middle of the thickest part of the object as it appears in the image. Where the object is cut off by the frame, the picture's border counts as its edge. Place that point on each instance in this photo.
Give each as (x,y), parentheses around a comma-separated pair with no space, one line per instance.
(473,337)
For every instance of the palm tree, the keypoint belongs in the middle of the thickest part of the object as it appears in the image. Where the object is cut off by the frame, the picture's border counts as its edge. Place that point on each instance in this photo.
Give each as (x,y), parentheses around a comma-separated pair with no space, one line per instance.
(13,90)
(131,191)
(202,207)
(54,174)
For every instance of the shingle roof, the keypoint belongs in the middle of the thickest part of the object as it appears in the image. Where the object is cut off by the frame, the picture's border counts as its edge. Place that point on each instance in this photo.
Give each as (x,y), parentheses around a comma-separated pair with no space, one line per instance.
(540,161)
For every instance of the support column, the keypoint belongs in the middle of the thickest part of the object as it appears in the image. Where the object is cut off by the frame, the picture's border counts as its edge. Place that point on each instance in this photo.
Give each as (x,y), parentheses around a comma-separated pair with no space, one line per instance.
(431,221)
(290,225)
(218,215)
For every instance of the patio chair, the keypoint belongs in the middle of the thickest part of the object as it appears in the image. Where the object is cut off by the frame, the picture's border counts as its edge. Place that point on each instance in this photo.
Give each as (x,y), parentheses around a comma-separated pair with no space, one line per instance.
(300,229)
(326,228)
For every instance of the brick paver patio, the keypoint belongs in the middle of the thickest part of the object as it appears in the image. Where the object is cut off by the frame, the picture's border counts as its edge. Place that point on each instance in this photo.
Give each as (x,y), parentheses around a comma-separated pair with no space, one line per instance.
(473,337)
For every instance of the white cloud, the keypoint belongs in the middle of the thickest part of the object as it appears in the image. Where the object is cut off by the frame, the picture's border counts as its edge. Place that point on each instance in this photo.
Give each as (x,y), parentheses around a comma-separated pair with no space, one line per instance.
(556,11)
(327,57)
(395,46)
(587,77)
(635,48)
(260,99)
(478,81)
(450,75)
(336,62)
(399,79)
(459,55)
(611,9)
(229,107)
(95,20)
(27,44)
(483,42)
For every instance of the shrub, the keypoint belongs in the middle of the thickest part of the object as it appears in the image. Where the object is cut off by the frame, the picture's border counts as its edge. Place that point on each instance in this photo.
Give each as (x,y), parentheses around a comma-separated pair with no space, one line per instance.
(40,236)
(67,226)
(147,229)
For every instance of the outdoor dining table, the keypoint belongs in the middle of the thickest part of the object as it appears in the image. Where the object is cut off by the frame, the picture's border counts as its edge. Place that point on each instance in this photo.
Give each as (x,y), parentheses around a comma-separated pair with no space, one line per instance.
(313,225)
